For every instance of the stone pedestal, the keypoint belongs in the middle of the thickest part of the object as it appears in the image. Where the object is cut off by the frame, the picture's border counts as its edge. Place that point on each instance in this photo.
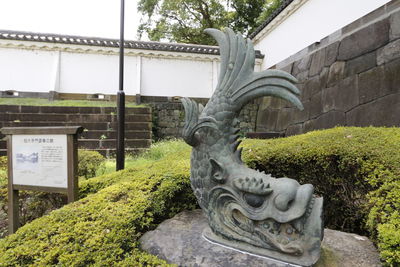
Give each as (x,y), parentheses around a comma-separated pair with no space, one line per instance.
(180,240)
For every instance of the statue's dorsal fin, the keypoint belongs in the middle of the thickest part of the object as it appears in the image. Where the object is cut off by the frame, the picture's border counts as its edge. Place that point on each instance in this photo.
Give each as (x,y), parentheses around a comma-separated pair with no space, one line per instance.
(238,81)
(237,58)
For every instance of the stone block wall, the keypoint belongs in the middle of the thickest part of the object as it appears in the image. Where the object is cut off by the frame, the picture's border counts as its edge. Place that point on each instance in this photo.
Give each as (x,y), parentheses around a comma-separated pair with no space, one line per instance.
(350,78)
(168,120)
(100,125)
(169,115)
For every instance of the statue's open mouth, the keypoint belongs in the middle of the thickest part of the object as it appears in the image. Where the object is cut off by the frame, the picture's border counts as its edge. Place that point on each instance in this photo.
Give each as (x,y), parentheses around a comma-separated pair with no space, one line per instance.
(232,227)
(253,216)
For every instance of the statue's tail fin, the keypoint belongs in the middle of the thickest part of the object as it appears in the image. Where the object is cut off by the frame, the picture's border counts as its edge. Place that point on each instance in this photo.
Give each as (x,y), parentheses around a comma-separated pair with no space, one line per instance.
(192,121)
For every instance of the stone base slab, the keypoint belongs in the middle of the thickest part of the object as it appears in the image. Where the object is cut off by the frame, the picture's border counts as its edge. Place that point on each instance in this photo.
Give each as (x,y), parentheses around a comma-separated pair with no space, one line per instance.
(180,241)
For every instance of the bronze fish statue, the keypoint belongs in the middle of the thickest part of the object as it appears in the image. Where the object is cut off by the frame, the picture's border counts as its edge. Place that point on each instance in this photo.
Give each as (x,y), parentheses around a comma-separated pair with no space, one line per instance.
(247,209)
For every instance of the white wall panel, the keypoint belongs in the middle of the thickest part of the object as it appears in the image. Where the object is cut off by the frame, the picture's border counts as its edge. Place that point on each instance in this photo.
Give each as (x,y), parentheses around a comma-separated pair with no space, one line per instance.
(174,77)
(96,73)
(27,70)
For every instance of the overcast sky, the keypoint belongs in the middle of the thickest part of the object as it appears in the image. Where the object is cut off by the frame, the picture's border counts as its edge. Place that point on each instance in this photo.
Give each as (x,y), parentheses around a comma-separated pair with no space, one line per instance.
(95,18)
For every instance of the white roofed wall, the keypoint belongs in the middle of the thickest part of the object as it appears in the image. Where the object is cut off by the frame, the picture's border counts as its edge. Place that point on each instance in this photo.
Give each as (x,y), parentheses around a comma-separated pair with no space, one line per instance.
(158,69)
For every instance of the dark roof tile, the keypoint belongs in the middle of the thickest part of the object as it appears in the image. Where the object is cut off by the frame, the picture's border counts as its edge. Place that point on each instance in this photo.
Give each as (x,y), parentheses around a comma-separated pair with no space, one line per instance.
(95,41)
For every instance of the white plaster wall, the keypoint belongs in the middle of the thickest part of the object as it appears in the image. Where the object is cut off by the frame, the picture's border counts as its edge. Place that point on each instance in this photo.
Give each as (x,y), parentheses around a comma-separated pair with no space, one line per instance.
(176,77)
(96,73)
(313,21)
(38,67)
(27,70)
(88,72)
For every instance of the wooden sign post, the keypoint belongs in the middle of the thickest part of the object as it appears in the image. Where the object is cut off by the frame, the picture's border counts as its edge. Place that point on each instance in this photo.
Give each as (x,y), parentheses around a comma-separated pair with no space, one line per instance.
(41,159)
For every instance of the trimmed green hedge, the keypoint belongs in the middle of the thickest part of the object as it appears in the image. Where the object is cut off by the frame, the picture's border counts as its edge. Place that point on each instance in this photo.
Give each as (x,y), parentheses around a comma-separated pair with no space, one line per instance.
(357,170)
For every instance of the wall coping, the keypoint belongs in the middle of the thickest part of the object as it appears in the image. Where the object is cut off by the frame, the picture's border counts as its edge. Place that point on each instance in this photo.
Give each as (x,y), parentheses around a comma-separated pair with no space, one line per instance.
(82,44)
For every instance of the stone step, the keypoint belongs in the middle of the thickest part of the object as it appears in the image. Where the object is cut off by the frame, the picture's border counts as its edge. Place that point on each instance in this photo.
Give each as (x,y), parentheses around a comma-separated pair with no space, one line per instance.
(134,134)
(70,110)
(100,125)
(264,135)
(15,117)
(111,143)
(110,152)
(107,142)
(3,144)
(107,152)
(88,125)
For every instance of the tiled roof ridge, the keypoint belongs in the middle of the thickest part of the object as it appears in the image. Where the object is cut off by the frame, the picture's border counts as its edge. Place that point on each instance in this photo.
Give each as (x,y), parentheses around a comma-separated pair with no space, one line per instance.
(106,42)
(274,14)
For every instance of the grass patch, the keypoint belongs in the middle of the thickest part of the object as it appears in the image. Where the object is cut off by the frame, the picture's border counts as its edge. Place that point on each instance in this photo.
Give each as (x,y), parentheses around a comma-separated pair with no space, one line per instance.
(156,152)
(61,103)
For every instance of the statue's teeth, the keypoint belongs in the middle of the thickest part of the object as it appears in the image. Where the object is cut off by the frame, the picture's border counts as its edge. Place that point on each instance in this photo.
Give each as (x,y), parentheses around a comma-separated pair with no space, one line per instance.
(297,225)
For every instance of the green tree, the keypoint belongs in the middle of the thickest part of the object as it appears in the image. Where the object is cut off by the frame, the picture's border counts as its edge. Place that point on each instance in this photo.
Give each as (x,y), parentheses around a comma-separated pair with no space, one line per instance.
(269,7)
(184,21)
(245,17)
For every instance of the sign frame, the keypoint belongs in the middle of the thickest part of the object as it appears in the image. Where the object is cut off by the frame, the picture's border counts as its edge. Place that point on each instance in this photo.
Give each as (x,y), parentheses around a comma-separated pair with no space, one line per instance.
(72,167)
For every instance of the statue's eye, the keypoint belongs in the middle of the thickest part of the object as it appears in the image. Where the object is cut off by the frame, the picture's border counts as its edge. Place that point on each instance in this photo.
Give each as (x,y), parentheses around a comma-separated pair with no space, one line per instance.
(253,200)
(217,172)
(218,177)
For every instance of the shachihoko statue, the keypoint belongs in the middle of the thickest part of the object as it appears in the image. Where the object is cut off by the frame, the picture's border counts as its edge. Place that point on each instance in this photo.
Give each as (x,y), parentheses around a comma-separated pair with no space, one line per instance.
(246,209)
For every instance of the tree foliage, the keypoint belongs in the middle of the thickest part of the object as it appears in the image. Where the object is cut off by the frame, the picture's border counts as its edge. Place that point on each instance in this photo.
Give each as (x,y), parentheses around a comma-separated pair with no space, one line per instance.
(184,21)
(268,8)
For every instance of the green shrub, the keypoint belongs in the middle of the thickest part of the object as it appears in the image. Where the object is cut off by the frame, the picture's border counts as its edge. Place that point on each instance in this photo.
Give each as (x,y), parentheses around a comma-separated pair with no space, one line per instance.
(158,151)
(356,170)
(384,219)
(32,204)
(3,171)
(3,193)
(3,163)
(104,228)
(327,159)
(90,163)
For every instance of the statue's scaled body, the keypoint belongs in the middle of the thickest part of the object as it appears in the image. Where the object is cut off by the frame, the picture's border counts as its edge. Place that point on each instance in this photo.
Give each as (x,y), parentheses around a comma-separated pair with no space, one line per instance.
(247,209)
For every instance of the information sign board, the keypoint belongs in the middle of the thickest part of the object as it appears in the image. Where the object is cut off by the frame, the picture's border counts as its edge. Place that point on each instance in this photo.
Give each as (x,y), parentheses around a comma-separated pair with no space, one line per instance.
(40,160)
